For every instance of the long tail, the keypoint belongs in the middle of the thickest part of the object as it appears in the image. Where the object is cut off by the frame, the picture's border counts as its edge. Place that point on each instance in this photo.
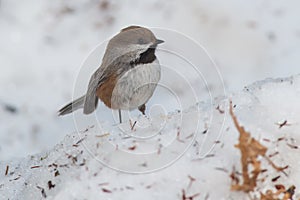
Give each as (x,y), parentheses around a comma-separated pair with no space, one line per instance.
(69,108)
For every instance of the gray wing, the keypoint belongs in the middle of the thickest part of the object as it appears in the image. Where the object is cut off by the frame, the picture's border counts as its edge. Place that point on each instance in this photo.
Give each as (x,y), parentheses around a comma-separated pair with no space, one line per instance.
(91,100)
(99,76)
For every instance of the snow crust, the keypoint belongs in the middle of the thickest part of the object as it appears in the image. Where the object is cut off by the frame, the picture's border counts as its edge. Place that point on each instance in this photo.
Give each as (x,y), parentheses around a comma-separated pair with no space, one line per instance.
(192,151)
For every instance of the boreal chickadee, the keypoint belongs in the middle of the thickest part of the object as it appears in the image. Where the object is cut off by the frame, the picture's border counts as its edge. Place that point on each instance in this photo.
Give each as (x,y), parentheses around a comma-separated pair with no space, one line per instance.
(128,75)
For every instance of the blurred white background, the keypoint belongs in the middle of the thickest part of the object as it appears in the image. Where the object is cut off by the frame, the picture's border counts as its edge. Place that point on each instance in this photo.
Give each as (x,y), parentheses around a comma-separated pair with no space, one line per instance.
(44,43)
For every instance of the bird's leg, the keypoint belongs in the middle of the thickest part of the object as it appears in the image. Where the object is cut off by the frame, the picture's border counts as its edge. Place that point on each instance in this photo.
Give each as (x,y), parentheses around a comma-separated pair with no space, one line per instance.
(142,108)
(120,116)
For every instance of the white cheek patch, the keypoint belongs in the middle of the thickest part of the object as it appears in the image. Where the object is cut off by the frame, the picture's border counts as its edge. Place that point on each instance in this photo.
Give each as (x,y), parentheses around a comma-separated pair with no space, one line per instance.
(138,48)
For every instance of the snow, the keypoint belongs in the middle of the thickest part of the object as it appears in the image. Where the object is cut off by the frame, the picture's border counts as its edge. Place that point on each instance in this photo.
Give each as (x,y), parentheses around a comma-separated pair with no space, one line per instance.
(99,162)
(43,45)
(48,50)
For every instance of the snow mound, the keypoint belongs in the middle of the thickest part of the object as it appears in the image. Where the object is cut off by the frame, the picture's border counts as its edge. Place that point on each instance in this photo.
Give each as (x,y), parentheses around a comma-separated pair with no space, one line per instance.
(184,154)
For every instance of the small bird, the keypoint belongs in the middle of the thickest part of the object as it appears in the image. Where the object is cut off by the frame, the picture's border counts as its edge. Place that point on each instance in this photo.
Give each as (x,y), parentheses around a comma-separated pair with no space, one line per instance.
(127,77)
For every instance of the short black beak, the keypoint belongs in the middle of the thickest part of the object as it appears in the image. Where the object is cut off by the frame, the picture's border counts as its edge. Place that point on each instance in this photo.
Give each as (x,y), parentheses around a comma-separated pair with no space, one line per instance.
(158,41)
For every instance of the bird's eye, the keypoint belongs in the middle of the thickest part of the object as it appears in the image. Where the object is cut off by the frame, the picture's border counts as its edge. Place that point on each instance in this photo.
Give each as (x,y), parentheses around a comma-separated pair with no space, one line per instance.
(141,41)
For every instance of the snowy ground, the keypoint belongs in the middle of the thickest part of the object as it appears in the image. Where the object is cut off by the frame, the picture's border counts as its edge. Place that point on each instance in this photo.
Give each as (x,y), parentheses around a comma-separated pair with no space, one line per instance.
(107,164)
(43,46)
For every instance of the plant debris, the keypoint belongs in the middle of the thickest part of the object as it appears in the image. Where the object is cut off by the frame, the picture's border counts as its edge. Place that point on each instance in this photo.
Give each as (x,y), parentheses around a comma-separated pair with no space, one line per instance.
(56,173)
(178,135)
(106,190)
(15,179)
(132,148)
(292,146)
(129,187)
(220,110)
(273,154)
(103,135)
(284,123)
(185,197)
(251,151)
(35,166)
(275,178)
(132,125)
(6,170)
(221,169)
(79,141)
(50,185)
(10,108)
(42,191)
(160,146)
(192,179)
(280,194)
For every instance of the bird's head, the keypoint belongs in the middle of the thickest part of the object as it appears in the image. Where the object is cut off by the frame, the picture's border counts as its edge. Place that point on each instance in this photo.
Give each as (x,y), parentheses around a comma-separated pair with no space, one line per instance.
(133,41)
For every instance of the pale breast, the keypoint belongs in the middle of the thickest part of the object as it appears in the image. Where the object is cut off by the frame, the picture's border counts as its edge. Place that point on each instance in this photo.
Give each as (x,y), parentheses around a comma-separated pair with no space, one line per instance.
(136,86)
